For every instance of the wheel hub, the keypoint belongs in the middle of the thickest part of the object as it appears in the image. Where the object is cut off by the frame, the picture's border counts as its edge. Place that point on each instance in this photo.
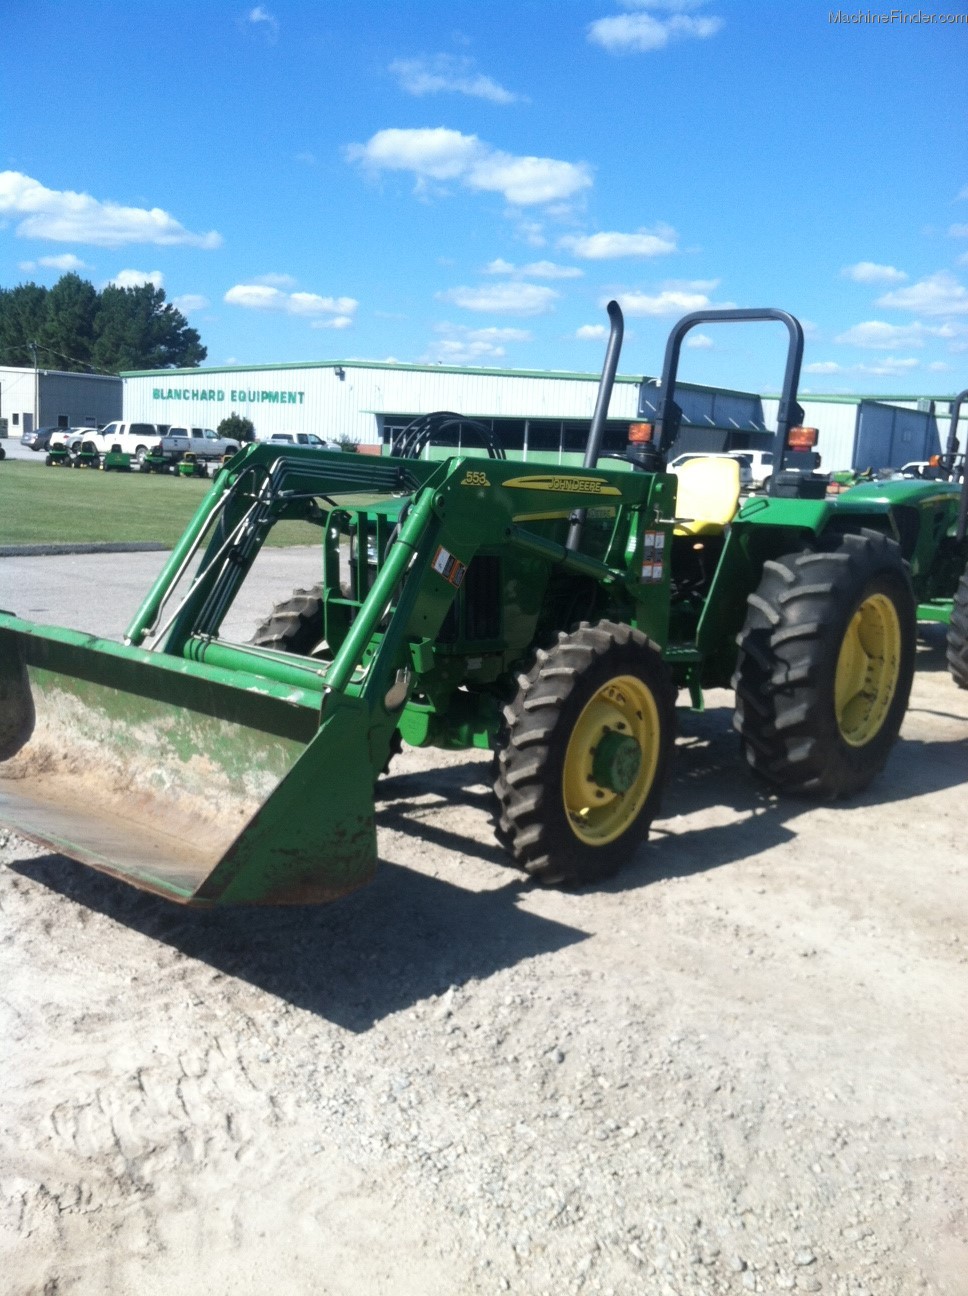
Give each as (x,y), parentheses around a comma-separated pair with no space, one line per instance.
(611,760)
(868,668)
(616,762)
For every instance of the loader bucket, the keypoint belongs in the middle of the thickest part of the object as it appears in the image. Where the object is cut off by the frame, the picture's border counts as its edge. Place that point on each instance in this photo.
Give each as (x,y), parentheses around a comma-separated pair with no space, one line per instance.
(204,785)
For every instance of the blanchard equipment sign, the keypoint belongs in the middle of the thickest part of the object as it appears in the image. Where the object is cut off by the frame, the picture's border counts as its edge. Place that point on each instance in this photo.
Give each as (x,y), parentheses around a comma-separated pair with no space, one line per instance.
(238,396)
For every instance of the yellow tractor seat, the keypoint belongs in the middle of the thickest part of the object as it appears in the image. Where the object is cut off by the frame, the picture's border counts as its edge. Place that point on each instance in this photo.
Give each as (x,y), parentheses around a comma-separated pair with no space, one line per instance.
(708,495)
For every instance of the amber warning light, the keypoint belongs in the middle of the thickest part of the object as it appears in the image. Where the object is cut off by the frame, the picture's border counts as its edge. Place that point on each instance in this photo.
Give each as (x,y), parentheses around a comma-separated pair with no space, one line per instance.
(640,433)
(802,438)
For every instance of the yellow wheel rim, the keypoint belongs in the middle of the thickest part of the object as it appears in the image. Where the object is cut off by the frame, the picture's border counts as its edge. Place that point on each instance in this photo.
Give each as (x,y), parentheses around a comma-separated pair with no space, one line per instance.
(868,668)
(611,760)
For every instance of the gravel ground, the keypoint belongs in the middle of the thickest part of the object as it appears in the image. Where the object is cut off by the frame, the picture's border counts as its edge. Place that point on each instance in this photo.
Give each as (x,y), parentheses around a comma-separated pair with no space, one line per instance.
(738,1067)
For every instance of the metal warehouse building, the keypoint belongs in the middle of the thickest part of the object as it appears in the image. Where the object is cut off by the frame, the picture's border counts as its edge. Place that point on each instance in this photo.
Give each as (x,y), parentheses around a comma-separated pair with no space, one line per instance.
(535,414)
(367,401)
(32,398)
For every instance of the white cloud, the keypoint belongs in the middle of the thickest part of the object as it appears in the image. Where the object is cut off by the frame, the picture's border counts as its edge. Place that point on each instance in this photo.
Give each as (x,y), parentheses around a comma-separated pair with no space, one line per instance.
(260,296)
(533,270)
(699,341)
(958,231)
(503,298)
(591,332)
(67,217)
(525,181)
(447,74)
(674,299)
(638,33)
(939,366)
(879,336)
(963,259)
(135,278)
(67,263)
(337,322)
(532,233)
(823,367)
(275,280)
(189,302)
(871,272)
(608,245)
(890,367)
(261,17)
(938,294)
(963,193)
(461,345)
(441,154)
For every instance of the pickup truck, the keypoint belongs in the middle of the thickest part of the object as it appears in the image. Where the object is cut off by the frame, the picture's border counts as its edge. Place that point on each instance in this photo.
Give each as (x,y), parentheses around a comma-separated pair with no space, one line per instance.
(308,439)
(204,443)
(132,438)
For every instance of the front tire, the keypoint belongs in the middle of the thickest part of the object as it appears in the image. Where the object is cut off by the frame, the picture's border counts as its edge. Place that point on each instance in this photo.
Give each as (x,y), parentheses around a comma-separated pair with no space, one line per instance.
(958,635)
(825,664)
(586,752)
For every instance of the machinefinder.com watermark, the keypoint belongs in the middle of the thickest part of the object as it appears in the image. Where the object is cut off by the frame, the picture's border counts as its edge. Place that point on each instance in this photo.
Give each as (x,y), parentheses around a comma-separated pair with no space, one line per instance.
(895,18)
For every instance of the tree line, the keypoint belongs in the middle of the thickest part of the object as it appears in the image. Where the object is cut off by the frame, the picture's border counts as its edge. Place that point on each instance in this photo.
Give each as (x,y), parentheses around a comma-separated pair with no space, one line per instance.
(72,326)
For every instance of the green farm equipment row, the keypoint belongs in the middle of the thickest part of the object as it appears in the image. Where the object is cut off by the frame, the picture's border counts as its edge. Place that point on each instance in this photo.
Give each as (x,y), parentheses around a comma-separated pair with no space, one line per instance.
(549,616)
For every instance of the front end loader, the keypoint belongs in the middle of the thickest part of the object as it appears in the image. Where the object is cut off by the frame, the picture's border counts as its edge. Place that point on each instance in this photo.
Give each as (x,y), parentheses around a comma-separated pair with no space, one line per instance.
(548,615)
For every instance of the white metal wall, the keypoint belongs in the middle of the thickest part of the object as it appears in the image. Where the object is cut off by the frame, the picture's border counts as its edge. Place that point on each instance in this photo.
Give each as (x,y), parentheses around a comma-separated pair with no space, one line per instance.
(317,399)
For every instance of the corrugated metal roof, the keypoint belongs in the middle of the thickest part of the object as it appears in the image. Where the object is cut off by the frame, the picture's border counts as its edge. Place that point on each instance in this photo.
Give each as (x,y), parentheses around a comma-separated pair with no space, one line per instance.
(376,364)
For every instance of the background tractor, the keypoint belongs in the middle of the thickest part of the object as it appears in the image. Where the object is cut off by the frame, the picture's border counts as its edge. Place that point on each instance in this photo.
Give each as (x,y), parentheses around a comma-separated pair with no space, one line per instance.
(549,616)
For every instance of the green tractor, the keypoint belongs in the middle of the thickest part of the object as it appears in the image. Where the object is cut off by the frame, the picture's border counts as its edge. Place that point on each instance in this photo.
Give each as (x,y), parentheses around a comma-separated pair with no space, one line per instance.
(58,455)
(549,616)
(116,460)
(189,465)
(87,455)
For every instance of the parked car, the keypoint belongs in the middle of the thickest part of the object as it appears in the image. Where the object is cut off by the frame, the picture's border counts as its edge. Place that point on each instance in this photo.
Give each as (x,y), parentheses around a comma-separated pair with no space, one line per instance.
(761,465)
(745,471)
(39,438)
(932,469)
(302,439)
(74,437)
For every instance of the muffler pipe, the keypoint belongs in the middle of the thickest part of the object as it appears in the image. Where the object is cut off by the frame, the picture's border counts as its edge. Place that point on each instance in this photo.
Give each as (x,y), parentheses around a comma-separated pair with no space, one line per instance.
(596,430)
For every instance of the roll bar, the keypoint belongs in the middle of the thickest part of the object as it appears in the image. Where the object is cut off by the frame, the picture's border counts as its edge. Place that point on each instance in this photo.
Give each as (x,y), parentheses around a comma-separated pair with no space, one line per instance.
(790,413)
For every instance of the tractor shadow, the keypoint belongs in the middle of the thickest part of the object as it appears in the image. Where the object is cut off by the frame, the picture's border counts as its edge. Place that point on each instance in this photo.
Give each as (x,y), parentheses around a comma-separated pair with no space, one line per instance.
(397,942)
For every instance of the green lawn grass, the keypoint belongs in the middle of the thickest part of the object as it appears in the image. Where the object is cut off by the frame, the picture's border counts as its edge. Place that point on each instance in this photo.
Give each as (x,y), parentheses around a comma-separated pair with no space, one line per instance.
(40,505)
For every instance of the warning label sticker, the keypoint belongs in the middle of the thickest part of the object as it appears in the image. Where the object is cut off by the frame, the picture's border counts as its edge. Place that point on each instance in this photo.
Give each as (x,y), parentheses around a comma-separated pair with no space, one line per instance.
(451,568)
(653,557)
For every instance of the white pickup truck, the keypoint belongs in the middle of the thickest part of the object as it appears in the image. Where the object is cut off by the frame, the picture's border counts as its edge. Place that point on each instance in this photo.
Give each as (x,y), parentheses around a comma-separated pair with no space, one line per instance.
(133,438)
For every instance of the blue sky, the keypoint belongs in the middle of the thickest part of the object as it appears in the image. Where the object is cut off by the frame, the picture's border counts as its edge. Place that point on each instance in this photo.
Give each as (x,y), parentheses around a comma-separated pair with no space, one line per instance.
(470,183)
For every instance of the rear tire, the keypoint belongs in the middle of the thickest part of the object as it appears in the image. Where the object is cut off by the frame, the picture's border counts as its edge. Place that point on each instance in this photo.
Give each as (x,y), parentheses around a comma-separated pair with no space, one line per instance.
(825,664)
(958,635)
(585,754)
(295,625)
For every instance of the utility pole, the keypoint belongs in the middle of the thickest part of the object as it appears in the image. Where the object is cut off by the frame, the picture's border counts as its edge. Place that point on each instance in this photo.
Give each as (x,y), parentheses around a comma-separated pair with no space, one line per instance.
(33,348)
